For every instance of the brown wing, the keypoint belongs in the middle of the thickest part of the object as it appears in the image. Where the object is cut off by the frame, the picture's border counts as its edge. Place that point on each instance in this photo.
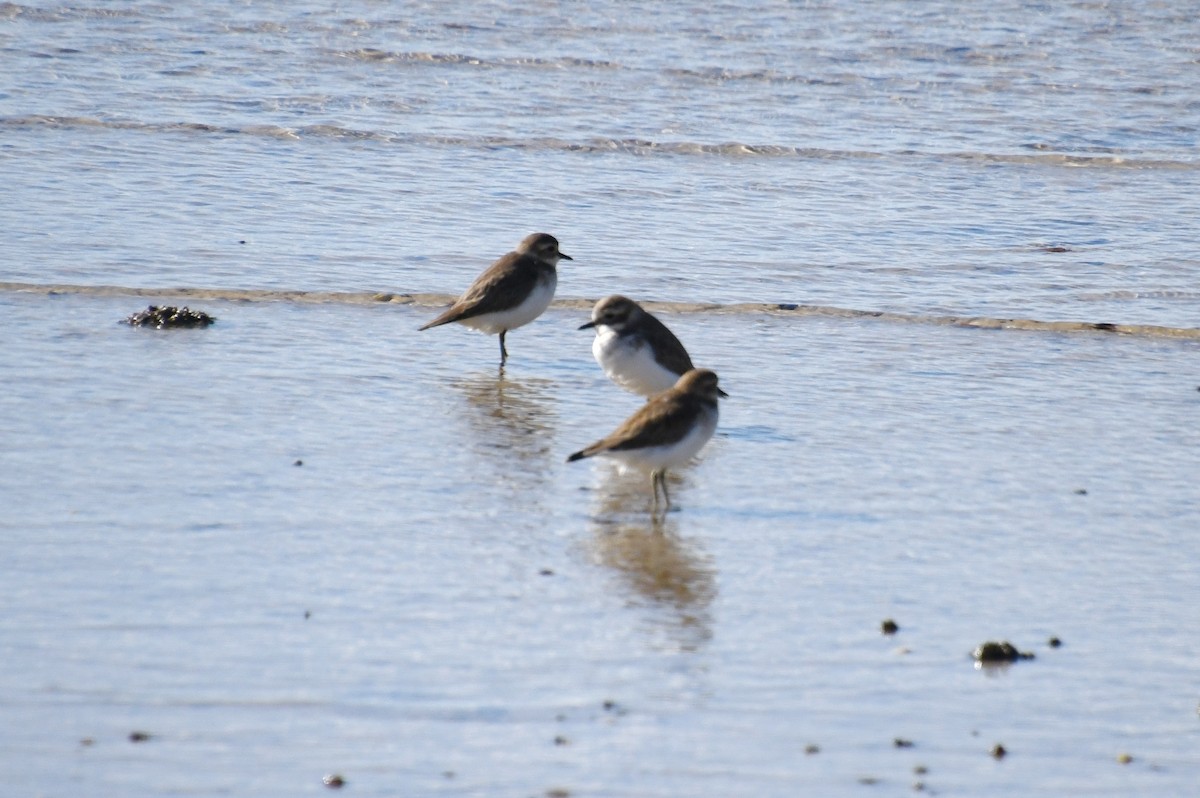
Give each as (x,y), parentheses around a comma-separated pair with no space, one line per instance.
(501,286)
(673,357)
(663,420)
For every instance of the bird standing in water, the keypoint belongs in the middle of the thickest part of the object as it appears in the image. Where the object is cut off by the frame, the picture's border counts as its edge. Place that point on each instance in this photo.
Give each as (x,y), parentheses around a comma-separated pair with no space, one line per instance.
(511,292)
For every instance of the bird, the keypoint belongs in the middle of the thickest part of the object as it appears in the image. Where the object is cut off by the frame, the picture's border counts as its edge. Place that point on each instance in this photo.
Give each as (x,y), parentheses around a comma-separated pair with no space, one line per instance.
(634,348)
(665,432)
(510,293)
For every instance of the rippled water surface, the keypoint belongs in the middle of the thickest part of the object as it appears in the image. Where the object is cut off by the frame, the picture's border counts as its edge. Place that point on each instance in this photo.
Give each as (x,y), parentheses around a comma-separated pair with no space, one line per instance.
(1032,161)
(310,540)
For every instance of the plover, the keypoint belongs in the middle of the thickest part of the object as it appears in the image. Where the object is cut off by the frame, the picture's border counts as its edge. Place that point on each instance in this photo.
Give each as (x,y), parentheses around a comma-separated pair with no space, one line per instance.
(511,292)
(665,432)
(634,348)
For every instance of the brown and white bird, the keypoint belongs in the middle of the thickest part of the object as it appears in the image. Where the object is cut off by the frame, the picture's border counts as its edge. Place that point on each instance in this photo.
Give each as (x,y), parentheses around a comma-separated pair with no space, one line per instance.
(511,292)
(634,348)
(666,432)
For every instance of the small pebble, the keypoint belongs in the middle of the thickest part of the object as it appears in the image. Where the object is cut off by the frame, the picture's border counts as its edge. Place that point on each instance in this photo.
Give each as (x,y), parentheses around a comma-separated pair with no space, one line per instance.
(298,463)
(558,792)
(812,748)
(1055,642)
(560,740)
(868,780)
(787,306)
(334,781)
(889,627)
(1081,491)
(920,770)
(998,751)
(1125,759)
(546,572)
(900,742)
(139,736)
(87,741)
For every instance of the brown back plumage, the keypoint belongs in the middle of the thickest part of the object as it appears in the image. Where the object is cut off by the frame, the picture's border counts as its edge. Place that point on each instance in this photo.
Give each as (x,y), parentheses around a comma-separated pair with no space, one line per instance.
(665,419)
(507,282)
(668,351)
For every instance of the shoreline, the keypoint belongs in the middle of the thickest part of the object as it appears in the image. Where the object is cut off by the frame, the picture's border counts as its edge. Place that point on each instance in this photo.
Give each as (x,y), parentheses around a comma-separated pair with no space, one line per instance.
(568,303)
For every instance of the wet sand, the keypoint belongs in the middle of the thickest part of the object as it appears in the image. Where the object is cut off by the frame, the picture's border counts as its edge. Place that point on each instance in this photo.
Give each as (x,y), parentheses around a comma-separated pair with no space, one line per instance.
(309,541)
(775,308)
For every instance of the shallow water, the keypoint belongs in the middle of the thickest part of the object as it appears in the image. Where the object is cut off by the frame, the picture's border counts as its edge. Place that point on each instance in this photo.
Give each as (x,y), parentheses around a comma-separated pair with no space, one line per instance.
(310,540)
(473,598)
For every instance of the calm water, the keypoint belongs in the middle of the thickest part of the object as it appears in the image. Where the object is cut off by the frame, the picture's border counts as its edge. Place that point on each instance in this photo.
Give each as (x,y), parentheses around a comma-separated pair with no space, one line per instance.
(432,601)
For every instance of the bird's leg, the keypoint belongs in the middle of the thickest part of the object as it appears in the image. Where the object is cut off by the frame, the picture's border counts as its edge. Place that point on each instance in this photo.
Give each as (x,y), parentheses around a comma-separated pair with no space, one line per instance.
(659,479)
(503,350)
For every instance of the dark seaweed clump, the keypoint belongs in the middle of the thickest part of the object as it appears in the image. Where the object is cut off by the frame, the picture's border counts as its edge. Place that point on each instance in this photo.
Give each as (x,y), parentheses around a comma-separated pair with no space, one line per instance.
(168,316)
(991,653)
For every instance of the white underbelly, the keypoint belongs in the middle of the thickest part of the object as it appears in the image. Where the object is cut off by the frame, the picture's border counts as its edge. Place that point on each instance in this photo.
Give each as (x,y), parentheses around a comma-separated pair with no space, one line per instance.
(630,366)
(533,306)
(655,457)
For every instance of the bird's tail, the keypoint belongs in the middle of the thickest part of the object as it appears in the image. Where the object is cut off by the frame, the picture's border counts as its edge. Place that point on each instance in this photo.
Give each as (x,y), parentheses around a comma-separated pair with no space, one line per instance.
(449,315)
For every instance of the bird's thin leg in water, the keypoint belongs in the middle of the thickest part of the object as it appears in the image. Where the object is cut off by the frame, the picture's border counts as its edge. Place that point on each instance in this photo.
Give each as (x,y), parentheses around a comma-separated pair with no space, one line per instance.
(659,479)
(503,350)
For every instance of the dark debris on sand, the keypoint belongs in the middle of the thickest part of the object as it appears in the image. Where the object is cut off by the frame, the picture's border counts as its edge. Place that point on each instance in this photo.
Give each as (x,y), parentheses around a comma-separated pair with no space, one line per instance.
(992,652)
(168,316)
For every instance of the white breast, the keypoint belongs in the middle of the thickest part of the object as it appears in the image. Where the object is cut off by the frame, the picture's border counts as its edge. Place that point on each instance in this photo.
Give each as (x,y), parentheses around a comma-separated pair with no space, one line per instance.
(533,306)
(629,362)
(655,457)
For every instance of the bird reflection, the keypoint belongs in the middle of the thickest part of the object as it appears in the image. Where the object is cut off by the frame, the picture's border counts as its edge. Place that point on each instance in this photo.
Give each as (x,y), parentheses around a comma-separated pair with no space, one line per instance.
(659,566)
(511,420)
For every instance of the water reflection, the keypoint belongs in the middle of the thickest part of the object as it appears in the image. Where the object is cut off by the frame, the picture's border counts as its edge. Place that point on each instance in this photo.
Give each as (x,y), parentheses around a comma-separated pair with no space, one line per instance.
(512,421)
(659,567)
(993,670)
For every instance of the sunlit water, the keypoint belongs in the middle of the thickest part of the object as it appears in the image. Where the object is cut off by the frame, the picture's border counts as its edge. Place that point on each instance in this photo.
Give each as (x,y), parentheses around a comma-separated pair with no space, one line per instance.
(310,540)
